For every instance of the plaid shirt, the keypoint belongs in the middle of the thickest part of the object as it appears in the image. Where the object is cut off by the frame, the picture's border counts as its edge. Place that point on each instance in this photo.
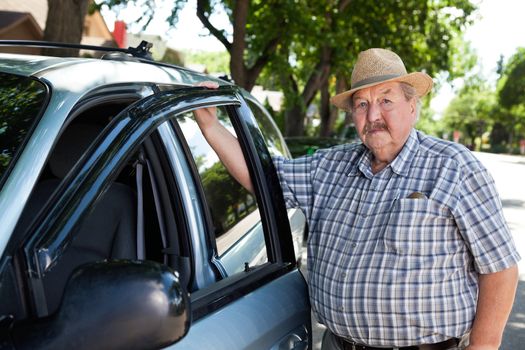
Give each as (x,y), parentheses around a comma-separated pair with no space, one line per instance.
(387,269)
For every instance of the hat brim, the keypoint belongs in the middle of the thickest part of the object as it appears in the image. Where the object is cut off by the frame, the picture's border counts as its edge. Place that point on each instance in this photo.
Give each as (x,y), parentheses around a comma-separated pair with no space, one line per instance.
(422,82)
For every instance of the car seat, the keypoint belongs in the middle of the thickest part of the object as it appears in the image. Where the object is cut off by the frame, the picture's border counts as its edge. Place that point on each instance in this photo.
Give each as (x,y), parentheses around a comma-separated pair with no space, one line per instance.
(107,232)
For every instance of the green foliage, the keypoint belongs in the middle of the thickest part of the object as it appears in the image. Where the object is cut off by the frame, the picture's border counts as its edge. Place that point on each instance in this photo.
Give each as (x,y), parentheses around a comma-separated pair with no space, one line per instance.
(510,116)
(428,124)
(427,35)
(228,201)
(472,111)
(215,62)
(512,82)
(20,102)
(298,46)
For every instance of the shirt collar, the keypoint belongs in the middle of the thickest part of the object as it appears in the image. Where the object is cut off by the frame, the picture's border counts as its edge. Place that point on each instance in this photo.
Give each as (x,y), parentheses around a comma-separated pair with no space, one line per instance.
(400,165)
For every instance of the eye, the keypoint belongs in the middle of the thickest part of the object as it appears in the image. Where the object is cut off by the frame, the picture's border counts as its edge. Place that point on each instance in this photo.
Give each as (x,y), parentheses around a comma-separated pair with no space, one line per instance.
(361,106)
(386,104)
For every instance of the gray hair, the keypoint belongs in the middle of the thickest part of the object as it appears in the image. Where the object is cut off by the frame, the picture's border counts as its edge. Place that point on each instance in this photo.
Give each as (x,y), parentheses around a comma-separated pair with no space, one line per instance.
(410,92)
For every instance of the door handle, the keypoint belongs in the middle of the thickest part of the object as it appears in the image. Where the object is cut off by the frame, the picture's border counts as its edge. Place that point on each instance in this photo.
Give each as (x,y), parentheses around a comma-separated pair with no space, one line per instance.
(295,340)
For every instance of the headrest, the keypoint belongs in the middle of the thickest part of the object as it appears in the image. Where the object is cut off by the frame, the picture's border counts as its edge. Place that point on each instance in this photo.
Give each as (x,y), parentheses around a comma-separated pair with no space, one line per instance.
(72,144)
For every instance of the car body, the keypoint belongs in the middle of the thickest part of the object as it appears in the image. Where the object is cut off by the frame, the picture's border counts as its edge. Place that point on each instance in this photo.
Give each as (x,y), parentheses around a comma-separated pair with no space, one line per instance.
(120,228)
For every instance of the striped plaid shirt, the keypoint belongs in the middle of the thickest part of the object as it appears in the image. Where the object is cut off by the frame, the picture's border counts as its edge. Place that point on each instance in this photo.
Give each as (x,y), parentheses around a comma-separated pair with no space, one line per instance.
(387,269)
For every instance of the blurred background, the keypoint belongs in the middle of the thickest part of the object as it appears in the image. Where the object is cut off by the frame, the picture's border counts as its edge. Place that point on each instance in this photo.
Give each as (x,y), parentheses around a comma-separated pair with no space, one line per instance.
(293,55)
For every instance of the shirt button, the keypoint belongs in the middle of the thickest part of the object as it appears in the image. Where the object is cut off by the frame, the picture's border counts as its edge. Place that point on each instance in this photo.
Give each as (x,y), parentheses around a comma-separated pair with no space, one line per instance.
(364,215)
(342,308)
(343,275)
(354,245)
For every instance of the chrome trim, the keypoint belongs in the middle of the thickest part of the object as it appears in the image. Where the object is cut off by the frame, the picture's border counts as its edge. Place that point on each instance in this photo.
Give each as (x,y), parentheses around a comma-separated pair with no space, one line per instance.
(203,272)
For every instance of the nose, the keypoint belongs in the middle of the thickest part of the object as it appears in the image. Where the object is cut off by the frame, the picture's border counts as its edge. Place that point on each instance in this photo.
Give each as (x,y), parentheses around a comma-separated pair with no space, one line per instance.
(374,112)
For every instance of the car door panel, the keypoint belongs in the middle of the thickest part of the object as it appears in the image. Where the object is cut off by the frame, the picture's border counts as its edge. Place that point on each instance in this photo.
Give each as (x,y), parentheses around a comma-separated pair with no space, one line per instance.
(252,317)
(272,309)
(262,319)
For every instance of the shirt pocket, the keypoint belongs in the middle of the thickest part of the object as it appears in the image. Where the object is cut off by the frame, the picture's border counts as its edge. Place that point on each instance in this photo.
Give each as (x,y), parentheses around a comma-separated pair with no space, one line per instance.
(421,227)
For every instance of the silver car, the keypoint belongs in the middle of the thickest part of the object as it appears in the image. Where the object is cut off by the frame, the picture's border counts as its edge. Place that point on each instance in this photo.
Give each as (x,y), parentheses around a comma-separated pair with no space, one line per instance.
(120,228)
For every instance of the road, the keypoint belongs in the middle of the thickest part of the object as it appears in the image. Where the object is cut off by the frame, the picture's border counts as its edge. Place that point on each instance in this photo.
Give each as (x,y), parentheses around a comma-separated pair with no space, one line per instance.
(509,175)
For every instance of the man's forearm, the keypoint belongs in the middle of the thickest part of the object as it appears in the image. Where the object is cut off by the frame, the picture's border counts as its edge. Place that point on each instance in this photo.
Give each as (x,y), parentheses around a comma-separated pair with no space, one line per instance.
(223,142)
(496,296)
(230,153)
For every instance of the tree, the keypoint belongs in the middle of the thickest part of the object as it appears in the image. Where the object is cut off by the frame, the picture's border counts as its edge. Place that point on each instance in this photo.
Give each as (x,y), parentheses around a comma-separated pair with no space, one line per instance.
(319,51)
(472,111)
(65,23)
(511,92)
(215,62)
(257,27)
(512,81)
(311,45)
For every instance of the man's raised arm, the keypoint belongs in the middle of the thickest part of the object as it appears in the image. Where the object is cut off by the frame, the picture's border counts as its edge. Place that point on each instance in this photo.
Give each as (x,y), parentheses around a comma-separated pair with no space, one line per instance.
(223,142)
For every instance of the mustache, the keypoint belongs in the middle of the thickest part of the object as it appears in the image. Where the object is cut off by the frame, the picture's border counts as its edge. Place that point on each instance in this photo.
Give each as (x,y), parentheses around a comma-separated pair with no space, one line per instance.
(374,126)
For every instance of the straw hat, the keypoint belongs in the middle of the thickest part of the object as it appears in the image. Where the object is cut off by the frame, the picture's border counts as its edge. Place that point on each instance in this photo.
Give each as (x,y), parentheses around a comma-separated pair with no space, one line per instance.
(376,66)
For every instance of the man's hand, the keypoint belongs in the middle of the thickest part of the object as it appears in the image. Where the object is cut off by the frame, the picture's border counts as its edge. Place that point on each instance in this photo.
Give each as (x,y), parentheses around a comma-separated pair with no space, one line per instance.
(496,296)
(223,142)
(206,117)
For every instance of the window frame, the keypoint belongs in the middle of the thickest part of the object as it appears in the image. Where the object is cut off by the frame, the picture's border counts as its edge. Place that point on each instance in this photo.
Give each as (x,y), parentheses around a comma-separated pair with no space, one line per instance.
(53,228)
(38,117)
(78,192)
(278,238)
(204,209)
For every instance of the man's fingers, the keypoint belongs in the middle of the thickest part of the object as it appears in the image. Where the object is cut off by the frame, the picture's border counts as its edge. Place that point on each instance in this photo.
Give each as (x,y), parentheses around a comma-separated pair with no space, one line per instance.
(208,84)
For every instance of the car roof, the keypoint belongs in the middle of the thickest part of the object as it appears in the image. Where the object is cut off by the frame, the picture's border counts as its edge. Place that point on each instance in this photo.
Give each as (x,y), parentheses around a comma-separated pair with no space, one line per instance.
(106,71)
(26,64)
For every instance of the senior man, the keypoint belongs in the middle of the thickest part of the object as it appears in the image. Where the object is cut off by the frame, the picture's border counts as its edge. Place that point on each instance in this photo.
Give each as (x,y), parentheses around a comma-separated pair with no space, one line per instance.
(408,247)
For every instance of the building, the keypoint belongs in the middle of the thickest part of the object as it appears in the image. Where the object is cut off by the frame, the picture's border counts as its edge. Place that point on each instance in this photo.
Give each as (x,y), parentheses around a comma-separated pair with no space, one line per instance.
(26,20)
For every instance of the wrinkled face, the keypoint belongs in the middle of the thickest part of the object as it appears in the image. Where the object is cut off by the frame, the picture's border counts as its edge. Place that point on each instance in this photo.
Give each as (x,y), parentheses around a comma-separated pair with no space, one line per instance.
(383,117)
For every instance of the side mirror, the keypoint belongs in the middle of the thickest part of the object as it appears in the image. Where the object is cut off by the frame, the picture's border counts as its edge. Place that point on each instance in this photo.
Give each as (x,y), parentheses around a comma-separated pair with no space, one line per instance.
(113,305)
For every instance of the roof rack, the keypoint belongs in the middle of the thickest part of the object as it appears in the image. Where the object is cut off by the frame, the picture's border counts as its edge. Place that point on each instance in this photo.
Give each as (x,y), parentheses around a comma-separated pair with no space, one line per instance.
(141,51)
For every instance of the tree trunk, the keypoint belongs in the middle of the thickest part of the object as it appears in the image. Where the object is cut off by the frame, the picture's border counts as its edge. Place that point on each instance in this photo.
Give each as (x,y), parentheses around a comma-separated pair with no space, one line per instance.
(295,114)
(294,120)
(324,111)
(65,24)
(237,65)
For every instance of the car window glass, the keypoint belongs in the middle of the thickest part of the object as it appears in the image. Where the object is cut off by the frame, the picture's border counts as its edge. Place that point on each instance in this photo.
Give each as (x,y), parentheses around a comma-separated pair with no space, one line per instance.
(277,147)
(106,231)
(272,137)
(21,100)
(236,221)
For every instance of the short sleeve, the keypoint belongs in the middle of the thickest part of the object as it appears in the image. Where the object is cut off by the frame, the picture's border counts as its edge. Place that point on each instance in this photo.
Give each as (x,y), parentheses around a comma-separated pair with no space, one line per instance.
(295,176)
(479,216)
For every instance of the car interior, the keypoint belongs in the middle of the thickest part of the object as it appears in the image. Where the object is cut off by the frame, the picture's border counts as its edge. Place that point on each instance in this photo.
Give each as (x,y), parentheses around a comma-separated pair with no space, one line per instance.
(127,220)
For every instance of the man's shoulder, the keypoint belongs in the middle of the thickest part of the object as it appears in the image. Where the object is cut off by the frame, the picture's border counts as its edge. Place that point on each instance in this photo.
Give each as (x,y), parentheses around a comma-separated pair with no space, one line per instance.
(431,147)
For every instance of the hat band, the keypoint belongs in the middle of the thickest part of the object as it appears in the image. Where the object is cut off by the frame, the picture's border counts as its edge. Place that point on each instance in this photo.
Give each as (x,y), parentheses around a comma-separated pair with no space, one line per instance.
(376,79)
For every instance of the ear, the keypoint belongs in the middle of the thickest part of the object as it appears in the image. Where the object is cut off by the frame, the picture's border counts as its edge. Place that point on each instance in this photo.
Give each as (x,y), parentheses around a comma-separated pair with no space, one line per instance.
(413,110)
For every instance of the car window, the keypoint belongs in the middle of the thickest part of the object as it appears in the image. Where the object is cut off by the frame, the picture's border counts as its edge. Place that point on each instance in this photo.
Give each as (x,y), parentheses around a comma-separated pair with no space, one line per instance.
(21,100)
(273,138)
(237,230)
(278,147)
